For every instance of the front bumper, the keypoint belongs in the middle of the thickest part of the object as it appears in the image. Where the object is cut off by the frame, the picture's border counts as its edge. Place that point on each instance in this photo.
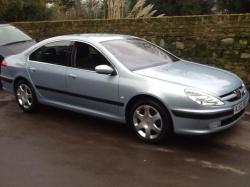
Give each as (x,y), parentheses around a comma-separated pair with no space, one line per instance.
(198,122)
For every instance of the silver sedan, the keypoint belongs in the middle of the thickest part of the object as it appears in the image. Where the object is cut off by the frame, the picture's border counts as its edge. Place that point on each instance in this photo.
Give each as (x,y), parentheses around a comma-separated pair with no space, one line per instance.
(126,79)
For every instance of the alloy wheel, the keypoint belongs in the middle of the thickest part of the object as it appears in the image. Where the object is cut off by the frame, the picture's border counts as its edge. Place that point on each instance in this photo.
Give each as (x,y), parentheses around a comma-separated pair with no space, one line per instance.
(148,122)
(24,96)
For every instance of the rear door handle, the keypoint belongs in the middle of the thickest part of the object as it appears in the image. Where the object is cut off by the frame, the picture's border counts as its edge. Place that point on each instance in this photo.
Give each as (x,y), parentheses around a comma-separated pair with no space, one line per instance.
(32,69)
(72,76)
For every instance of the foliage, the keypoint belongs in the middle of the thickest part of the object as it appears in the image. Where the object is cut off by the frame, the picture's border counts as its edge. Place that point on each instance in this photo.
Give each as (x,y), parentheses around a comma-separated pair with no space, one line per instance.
(195,7)
(182,7)
(77,9)
(140,9)
(233,6)
(115,9)
(24,10)
(64,5)
(131,4)
(30,10)
(93,8)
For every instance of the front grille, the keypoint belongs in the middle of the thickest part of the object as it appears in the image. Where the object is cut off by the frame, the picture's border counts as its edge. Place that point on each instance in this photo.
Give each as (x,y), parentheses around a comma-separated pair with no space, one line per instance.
(232,119)
(234,95)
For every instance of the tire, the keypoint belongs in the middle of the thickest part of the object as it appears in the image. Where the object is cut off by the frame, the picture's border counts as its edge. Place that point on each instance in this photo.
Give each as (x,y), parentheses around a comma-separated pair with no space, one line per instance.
(25,96)
(150,121)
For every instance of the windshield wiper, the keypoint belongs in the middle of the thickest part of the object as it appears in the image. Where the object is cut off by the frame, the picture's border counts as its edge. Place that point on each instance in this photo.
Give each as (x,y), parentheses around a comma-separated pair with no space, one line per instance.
(17,42)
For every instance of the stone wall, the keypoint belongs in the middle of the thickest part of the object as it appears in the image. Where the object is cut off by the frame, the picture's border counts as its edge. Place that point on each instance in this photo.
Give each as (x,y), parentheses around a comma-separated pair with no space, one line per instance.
(218,40)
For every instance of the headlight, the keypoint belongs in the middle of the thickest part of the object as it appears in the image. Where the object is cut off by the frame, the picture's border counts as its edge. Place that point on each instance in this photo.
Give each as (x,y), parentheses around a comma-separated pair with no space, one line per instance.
(243,86)
(202,98)
(244,89)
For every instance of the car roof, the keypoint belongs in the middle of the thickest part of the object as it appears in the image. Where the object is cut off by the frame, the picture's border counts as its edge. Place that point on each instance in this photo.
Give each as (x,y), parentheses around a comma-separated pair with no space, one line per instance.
(96,37)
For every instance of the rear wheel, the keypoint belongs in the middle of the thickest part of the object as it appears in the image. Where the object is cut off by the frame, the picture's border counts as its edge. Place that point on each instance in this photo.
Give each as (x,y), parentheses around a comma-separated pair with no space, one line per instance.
(150,121)
(25,96)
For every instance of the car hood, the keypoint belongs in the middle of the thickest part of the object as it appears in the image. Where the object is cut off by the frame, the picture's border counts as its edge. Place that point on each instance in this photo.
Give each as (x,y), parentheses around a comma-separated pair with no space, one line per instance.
(13,49)
(194,75)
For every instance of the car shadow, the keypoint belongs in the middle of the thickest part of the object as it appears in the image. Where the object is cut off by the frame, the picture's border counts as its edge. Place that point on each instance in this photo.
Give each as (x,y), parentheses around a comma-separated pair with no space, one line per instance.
(122,133)
(83,128)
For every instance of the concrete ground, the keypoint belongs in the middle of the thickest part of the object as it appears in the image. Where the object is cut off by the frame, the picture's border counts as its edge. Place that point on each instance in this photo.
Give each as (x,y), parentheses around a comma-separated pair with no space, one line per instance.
(57,148)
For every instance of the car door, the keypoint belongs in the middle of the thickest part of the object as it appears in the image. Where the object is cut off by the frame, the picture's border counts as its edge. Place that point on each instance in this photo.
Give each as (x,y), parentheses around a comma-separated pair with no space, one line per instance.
(47,69)
(87,89)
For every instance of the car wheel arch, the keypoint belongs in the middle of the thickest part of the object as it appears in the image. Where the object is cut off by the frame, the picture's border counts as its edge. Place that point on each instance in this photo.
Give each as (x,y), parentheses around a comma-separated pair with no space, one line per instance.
(19,78)
(136,98)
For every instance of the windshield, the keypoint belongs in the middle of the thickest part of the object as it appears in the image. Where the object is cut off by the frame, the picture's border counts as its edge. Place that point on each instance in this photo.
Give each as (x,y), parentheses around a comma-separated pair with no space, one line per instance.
(10,34)
(138,54)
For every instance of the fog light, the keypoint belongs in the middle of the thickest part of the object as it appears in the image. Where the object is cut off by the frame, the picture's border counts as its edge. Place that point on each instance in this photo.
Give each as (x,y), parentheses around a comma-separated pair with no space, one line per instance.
(214,125)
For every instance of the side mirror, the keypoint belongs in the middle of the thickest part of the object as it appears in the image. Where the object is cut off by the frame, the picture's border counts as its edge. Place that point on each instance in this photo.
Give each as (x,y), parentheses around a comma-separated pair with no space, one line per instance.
(104,69)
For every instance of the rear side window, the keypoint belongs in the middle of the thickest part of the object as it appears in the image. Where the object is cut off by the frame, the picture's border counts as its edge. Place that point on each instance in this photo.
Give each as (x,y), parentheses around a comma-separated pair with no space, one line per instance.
(53,53)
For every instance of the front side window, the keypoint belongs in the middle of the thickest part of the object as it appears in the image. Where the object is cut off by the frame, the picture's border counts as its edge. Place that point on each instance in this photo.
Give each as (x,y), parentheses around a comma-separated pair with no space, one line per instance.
(54,53)
(87,57)
(10,35)
(138,54)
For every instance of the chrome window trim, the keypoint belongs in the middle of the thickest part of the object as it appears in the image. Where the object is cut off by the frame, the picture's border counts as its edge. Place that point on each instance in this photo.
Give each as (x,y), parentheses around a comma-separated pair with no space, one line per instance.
(73,41)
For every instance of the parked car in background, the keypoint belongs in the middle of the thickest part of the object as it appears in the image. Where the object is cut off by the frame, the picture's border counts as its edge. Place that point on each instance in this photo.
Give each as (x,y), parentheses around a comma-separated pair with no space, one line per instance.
(12,41)
(127,79)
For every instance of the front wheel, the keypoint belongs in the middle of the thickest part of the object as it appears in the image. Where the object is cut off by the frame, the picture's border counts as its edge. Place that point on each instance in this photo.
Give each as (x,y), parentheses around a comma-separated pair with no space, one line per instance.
(150,121)
(25,96)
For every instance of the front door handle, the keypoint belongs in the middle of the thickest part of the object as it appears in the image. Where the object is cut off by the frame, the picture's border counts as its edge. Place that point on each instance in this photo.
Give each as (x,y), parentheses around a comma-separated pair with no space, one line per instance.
(32,69)
(72,76)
